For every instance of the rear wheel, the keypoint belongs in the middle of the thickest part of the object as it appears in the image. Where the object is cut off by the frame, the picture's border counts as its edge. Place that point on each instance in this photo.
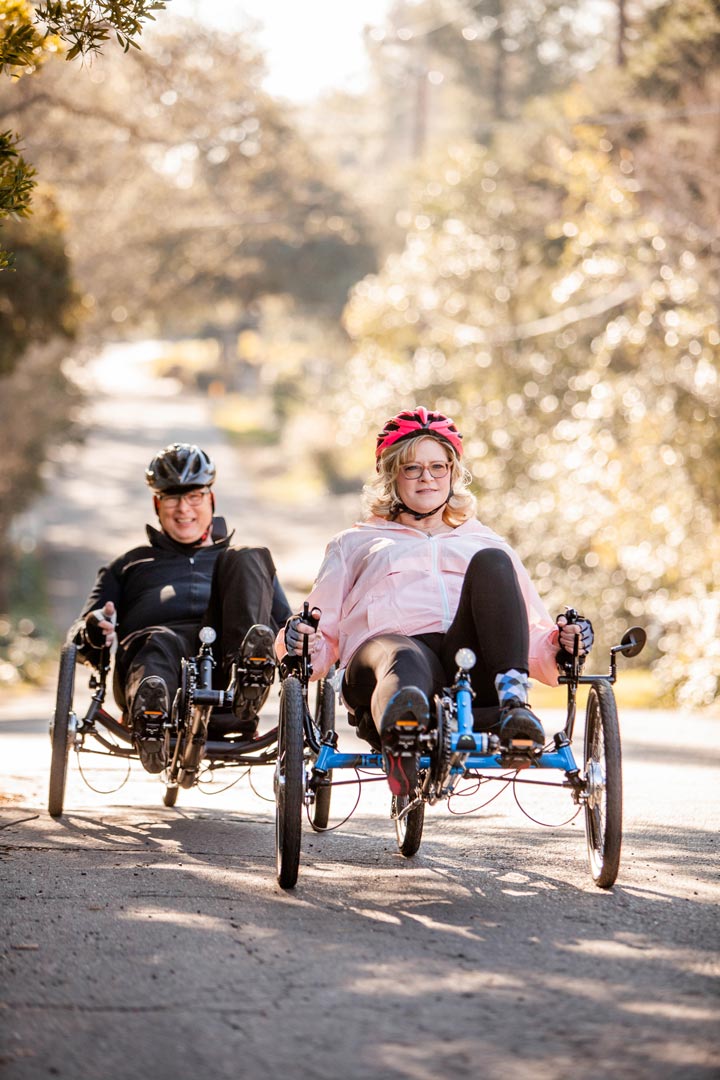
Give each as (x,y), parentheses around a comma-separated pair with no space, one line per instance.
(409,828)
(603,776)
(324,723)
(63,730)
(289,782)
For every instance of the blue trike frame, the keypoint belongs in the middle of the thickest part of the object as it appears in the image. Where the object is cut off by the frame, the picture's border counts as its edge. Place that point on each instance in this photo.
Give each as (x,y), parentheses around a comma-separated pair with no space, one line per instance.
(456,751)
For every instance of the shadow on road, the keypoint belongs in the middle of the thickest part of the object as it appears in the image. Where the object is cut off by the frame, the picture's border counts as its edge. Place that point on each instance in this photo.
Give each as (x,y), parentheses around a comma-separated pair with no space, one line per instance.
(502,954)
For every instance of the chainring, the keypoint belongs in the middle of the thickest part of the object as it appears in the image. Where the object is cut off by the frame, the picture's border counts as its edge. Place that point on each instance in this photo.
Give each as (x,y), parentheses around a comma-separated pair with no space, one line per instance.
(440,761)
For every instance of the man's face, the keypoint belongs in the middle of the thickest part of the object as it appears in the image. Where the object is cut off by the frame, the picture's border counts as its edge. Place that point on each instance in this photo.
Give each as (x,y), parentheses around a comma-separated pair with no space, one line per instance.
(185,517)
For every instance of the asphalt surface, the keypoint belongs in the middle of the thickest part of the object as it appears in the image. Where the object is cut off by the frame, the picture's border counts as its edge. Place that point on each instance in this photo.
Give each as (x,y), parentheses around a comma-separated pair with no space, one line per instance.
(139,941)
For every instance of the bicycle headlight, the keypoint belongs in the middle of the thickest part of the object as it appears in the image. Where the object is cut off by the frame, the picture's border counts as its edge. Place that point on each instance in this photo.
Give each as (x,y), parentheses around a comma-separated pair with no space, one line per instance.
(465,659)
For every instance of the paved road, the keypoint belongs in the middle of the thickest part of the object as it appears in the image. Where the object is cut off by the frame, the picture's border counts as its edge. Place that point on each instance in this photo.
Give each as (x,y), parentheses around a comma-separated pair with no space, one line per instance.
(141,942)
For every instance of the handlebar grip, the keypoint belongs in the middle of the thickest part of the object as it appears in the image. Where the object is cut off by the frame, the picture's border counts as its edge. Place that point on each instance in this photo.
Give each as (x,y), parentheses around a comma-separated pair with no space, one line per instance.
(310,617)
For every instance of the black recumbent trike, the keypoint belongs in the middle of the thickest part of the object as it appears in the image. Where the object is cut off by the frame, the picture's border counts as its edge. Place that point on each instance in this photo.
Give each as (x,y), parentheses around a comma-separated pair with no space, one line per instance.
(201,735)
(453,751)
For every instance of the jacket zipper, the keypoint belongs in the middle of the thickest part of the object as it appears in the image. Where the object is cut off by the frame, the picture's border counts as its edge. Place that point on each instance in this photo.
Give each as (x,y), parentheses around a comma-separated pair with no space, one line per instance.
(441,583)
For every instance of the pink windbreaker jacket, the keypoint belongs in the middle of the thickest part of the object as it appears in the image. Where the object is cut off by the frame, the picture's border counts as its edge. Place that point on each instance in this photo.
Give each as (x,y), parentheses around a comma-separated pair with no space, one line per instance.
(382,577)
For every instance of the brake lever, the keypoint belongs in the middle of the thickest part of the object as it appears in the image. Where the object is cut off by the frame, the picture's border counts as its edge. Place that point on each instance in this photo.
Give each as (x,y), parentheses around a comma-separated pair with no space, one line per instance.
(313,620)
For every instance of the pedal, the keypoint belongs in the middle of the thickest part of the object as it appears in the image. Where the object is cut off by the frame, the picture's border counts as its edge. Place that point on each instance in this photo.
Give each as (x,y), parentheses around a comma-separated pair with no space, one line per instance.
(520,754)
(152,732)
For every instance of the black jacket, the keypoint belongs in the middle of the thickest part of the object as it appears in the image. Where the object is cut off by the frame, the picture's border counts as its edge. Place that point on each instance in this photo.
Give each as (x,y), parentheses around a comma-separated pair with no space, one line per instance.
(162,583)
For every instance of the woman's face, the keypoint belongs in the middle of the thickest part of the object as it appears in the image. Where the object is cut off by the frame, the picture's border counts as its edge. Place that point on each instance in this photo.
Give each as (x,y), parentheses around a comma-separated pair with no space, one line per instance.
(426,491)
(182,521)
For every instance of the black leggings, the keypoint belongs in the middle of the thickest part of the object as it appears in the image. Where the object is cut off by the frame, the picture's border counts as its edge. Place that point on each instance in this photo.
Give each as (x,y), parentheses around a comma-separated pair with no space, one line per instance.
(491,619)
(241,594)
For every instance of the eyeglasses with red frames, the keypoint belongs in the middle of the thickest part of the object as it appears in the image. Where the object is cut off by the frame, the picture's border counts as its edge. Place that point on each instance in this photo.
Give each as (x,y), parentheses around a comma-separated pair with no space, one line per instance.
(414,470)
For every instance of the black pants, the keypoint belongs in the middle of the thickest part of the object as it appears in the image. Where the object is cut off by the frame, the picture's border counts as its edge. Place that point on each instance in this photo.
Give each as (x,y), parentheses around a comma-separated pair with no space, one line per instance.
(241,594)
(491,619)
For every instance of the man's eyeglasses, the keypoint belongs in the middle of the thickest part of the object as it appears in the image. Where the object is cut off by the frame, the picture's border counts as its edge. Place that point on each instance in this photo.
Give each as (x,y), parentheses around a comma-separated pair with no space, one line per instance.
(192,498)
(413,470)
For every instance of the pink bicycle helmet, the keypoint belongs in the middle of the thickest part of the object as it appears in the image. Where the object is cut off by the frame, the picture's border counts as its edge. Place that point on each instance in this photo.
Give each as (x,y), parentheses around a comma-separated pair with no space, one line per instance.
(418,421)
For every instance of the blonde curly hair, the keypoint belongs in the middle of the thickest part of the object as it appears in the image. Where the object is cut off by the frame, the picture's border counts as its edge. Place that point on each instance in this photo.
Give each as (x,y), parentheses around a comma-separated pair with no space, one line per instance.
(380,496)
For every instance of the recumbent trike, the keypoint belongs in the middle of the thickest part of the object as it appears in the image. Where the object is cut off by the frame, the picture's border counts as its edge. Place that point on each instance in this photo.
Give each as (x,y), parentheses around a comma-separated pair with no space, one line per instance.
(453,751)
(201,734)
(303,747)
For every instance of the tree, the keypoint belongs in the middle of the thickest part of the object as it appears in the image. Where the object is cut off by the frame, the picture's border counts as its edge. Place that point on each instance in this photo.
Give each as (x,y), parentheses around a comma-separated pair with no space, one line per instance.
(27,37)
(39,305)
(216,200)
(453,68)
(577,341)
(39,301)
(39,312)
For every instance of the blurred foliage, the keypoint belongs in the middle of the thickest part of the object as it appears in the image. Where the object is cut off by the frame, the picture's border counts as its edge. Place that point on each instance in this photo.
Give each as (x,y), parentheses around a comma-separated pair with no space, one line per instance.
(38,316)
(36,413)
(216,200)
(27,36)
(38,302)
(500,53)
(679,47)
(551,297)
(24,652)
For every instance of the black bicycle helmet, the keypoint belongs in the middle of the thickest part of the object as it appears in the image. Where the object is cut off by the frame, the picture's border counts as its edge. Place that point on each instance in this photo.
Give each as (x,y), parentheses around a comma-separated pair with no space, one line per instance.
(178,467)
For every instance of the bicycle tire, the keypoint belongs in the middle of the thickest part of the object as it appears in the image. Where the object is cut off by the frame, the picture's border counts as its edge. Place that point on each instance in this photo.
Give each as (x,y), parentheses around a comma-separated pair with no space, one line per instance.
(324,722)
(408,829)
(603,775)
(289,783)
(60,737)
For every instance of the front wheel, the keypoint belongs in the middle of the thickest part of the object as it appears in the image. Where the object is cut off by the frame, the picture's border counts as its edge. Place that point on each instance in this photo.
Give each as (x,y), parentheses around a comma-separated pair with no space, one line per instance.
(325,723)
(62,730)
(409,828)
(603,776)
(289,782)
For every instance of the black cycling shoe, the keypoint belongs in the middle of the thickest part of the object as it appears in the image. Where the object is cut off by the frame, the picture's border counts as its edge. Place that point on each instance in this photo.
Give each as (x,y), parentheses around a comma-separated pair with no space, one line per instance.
(520,729)
(406,717)
(254,671)
(149,714)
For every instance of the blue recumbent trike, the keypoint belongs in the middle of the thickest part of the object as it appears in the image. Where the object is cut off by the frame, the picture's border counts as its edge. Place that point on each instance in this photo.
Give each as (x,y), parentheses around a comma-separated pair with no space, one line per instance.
(308,757)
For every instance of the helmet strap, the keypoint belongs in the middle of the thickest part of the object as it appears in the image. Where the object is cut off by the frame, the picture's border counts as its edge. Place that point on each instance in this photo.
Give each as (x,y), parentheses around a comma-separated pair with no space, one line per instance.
(401,508)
